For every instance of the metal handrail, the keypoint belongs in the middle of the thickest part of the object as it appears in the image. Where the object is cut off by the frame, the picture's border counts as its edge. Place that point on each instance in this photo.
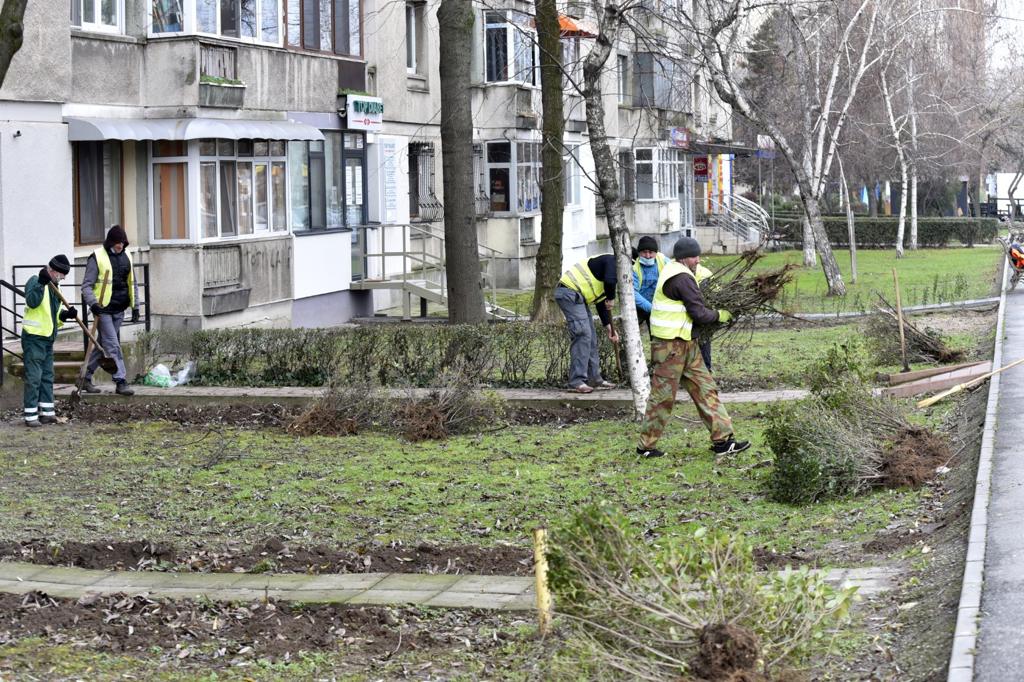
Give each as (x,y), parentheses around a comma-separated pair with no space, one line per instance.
(4,329)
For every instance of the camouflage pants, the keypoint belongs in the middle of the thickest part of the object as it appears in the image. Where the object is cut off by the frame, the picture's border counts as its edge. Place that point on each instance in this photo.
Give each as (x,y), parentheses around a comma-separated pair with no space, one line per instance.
(678,361)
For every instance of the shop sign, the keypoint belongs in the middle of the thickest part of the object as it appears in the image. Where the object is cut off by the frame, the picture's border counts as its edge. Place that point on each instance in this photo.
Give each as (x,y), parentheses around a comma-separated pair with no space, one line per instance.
(700,168)
(364,113)
(679,138)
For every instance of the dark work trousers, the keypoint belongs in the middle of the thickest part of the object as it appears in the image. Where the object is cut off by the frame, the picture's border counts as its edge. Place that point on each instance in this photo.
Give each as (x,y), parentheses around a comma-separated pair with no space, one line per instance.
(37,352)
(584,362)
(110,339)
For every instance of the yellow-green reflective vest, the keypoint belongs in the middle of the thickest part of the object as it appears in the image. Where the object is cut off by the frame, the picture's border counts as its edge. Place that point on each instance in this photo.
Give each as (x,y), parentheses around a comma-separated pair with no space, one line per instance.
(669,319)
(701,273)
(660,258)
(39,320)
(106,273)
(579,278)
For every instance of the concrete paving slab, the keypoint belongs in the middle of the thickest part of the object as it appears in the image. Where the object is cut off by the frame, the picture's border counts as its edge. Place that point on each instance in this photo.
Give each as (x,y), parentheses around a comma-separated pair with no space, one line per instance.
(322,596)
(16,570)
(343,581)
(393,597)
(278,581)
(494,584)
(417,581)
(471,600)
(522,602)
(65,575)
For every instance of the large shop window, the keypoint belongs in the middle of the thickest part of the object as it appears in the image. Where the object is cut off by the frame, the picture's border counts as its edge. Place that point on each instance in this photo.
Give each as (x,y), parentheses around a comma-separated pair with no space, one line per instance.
(98,172)
(241,187)
(328,182)
(325,26)
(98,15)
(513,176)
(511,48)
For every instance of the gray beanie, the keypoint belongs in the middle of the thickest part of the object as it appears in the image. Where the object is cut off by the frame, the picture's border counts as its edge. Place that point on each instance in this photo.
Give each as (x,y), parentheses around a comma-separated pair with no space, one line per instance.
(685,247)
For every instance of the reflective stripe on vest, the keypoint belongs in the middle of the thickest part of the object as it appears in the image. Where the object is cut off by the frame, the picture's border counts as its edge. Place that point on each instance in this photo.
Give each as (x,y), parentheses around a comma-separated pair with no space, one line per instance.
(38,321)
(669,319)
(660,260)
(579,278)
(105,272)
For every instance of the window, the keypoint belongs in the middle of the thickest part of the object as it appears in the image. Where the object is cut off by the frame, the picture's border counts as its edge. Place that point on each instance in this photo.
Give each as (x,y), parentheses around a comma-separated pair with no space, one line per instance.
(415,39)
(327,182)
(527,231)
(655,173)
(169,17)
(170,196)
(499,165)
(623,78)
(528,168)
(513,176)
(659,82)
(240,187)
(511,48)
(423,203)
(97,169)
(571,64)
(257,21)
(97,15)
(571,174)
(627,175)
(325,25)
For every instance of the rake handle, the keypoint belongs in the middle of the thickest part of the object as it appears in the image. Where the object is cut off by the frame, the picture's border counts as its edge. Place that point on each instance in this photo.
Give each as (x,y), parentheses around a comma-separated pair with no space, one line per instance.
(78,319)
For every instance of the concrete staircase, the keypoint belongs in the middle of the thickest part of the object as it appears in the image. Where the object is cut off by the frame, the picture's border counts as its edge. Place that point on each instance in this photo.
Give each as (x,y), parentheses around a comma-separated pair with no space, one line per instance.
(68,357)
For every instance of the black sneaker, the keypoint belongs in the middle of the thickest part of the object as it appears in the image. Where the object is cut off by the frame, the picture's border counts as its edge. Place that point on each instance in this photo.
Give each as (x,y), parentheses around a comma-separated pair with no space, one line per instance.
(647,453)
(46,419)
(123,388)
(32,424)
(90,387)
(730,446)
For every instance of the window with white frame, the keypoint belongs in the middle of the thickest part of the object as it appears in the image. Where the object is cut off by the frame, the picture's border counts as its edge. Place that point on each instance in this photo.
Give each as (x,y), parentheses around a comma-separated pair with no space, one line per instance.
(655,173)
(327,180)
(625,96)
(513,176)
(511,52)
(571,64)
(528,167)
(256,21)
(104,16)
(571,174)
(242,187)
(169,173)
(415,38)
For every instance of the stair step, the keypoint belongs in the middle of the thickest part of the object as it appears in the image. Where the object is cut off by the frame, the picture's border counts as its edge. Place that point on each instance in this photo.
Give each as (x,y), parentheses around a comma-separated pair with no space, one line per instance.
(63,370)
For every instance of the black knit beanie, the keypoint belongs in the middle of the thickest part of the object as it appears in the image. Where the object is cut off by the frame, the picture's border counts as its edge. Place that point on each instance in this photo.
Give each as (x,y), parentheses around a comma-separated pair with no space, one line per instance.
(686,247)
(116,235)
(59,263)
(647,243)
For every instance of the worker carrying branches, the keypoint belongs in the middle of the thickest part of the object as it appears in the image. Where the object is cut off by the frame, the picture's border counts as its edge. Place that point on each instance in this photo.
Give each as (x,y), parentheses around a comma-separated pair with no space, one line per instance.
(677,306)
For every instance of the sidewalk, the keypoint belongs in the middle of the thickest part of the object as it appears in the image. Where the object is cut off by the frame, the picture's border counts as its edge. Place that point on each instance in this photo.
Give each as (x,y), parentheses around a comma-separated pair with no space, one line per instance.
(297,395)
(509,593)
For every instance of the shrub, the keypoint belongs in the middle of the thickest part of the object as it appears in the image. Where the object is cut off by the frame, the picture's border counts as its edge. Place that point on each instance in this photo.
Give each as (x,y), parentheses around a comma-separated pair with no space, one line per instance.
(880,232)
(698,606)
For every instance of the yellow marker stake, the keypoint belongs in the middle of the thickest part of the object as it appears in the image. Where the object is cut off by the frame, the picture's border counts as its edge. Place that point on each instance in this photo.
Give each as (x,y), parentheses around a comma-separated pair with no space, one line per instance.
(540,567)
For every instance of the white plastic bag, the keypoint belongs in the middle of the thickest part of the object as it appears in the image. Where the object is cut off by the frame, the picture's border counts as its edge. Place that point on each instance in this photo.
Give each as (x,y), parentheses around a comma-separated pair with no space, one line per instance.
(185,374)
(159,376)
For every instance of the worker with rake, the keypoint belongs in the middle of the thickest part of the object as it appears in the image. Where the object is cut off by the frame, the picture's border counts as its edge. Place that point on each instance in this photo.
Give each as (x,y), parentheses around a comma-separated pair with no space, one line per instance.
(110,263)
(677,306)
(43,317)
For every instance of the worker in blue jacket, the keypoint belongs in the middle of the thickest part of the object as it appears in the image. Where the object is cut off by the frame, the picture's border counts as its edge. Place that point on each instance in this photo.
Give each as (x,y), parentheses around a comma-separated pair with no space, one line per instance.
(647,265)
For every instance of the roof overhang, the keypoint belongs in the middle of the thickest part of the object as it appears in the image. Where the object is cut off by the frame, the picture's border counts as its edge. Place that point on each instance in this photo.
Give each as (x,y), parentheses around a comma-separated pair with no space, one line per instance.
(95,129)
(720,148)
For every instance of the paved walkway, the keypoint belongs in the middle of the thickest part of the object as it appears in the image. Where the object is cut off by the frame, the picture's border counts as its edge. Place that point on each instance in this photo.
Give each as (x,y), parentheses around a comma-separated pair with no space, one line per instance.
(300,395)
(989,639)
(511,593)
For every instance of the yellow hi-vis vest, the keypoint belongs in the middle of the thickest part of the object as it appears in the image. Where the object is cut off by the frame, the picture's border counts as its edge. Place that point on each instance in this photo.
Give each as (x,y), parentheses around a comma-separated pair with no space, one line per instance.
(106,273)
(39,320)
(660,258)
(669,319)
(579,278)
(701,273)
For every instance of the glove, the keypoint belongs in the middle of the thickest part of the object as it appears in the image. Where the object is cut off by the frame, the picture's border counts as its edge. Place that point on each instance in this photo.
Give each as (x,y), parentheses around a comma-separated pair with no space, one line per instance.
(724,316)
(44,277)
(68,314)
(96,309)
(135,315)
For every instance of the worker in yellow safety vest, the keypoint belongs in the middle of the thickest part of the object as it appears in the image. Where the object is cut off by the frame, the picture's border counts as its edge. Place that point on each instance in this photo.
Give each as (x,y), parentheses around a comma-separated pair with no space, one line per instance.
(591,281)
(43,317)
(110,263)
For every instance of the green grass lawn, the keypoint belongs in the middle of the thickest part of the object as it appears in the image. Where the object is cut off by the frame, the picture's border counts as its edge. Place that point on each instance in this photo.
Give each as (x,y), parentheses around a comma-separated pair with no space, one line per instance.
(926,276)
(166,483)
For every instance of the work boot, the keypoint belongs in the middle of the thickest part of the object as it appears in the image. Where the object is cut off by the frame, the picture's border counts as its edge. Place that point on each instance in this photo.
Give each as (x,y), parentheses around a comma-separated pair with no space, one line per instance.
(123,388)
(90,387)
(648,453)
(730,446)
(33,424)
(47,419)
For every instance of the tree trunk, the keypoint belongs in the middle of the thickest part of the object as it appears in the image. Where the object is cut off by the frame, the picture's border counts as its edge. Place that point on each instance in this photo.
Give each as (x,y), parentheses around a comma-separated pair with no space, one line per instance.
(911,78)
(462,259)
(851,230)
(549,255)
(897,140)
(12,32)
(608,186)
(872,200)
(810,256)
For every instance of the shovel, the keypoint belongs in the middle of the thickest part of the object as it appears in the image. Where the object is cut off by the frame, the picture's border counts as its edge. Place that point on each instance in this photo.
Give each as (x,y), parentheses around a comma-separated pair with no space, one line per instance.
(107,363)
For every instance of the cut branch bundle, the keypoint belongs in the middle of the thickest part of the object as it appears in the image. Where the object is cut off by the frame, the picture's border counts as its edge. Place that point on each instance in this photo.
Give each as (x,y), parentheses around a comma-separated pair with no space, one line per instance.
(744,293)
(922,345)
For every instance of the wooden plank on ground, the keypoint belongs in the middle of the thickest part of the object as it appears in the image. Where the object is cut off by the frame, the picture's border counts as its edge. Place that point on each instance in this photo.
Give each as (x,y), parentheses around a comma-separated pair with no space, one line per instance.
(937,382)
(905,377)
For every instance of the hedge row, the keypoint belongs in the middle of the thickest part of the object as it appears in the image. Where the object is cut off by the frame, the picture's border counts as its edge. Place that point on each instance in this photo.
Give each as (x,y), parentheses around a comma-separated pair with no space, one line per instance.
(507,354)
(881,232)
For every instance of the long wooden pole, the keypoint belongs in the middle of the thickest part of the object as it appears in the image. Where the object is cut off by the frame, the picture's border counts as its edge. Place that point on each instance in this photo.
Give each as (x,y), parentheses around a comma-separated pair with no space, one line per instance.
(927,402)
(540,567)
(899,317)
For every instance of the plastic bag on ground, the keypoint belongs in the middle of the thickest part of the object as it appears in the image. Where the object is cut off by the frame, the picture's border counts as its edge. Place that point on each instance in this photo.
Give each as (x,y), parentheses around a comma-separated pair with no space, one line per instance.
(185,374)
(160,377)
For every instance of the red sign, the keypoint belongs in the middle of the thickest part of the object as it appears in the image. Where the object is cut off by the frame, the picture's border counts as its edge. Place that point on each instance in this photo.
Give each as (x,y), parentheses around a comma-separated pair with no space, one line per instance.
(700,168)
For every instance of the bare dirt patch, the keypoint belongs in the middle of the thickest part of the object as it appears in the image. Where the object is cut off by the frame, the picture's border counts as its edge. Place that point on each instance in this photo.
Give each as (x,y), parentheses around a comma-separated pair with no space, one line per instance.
(276,554)
(914,457)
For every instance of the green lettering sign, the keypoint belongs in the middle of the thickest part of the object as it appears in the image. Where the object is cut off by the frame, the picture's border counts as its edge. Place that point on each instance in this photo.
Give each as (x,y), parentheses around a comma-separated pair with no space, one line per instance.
(368,107)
